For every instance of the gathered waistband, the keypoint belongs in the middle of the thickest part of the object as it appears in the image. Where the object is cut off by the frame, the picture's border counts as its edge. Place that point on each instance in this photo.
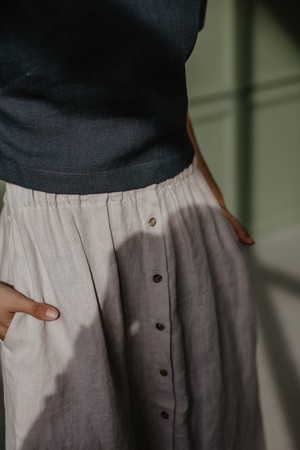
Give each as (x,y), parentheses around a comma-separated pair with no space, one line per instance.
(17,196)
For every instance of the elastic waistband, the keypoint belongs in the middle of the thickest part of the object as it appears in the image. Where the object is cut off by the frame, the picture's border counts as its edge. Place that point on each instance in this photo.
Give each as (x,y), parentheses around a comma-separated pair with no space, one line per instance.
(16,196)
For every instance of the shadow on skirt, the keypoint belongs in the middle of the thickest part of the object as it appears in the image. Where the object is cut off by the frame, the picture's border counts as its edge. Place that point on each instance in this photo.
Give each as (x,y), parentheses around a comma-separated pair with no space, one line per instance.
(155,346)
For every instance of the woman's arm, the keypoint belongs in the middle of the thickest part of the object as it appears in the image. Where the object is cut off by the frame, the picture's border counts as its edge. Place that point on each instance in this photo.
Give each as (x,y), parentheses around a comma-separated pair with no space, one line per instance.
(203,166)
(240,230)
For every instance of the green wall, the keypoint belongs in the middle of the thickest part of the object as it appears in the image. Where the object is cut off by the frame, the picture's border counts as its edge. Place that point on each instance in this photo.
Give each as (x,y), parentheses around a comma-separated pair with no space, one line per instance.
(244,100)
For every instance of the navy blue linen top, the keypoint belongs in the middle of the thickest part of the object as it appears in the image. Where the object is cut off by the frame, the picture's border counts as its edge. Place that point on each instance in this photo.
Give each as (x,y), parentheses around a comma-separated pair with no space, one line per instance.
(93,93)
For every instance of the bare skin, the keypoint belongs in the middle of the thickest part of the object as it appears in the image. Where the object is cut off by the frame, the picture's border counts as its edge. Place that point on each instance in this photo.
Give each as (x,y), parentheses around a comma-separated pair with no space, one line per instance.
(240,230)
(12,301)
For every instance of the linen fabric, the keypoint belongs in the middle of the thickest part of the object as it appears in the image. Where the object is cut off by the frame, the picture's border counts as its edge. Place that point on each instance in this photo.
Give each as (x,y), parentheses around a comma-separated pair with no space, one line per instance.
(93,93)
(155,345)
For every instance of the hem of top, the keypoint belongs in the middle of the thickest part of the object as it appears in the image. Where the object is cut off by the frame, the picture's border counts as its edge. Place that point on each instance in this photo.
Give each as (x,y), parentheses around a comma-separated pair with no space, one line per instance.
(159,173)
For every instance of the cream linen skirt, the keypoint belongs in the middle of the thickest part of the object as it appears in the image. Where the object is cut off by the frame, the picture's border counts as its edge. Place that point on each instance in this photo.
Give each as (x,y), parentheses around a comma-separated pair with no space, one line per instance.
(155,346)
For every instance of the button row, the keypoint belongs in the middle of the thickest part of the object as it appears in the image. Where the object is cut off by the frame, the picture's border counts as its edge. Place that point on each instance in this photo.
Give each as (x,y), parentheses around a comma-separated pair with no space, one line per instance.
(157,278)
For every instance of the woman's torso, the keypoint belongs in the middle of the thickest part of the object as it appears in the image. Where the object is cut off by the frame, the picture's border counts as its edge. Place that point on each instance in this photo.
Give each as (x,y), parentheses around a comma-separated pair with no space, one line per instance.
(93,94)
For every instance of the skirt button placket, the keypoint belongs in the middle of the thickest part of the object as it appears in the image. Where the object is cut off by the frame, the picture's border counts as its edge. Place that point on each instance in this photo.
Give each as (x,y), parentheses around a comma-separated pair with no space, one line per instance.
(164,388)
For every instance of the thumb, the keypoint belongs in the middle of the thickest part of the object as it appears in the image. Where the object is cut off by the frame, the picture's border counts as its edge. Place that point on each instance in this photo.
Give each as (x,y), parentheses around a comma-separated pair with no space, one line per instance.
(243,234)
(247,238)
(39,310)
(239,229)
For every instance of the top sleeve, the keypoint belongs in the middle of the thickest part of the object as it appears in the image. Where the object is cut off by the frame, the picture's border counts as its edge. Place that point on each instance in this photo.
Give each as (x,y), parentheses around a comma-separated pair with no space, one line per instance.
(202,14)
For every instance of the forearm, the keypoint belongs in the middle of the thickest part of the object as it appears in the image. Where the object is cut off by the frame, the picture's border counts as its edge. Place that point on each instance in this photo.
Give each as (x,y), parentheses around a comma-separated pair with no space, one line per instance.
(203,166)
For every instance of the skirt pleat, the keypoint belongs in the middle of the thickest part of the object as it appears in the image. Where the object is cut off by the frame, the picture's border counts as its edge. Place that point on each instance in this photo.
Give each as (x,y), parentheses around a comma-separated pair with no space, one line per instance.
(155,345)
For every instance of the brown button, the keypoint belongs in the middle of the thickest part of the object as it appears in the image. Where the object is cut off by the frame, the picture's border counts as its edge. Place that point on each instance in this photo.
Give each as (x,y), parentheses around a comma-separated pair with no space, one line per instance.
(160,326)
(163,372)
(157,278)
(164,414)
(152,221)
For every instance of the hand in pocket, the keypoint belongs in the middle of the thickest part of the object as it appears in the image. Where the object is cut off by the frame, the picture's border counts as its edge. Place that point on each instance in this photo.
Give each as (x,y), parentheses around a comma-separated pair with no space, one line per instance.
(12,301)
(241,232)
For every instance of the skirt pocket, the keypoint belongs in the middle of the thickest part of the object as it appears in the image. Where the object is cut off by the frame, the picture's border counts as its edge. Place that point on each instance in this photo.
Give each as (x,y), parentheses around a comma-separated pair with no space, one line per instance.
(13,270)
(7,251)
(217,210)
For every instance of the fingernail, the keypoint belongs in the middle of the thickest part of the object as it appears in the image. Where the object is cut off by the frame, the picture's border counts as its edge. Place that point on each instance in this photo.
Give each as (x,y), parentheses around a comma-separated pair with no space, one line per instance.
(52,313)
